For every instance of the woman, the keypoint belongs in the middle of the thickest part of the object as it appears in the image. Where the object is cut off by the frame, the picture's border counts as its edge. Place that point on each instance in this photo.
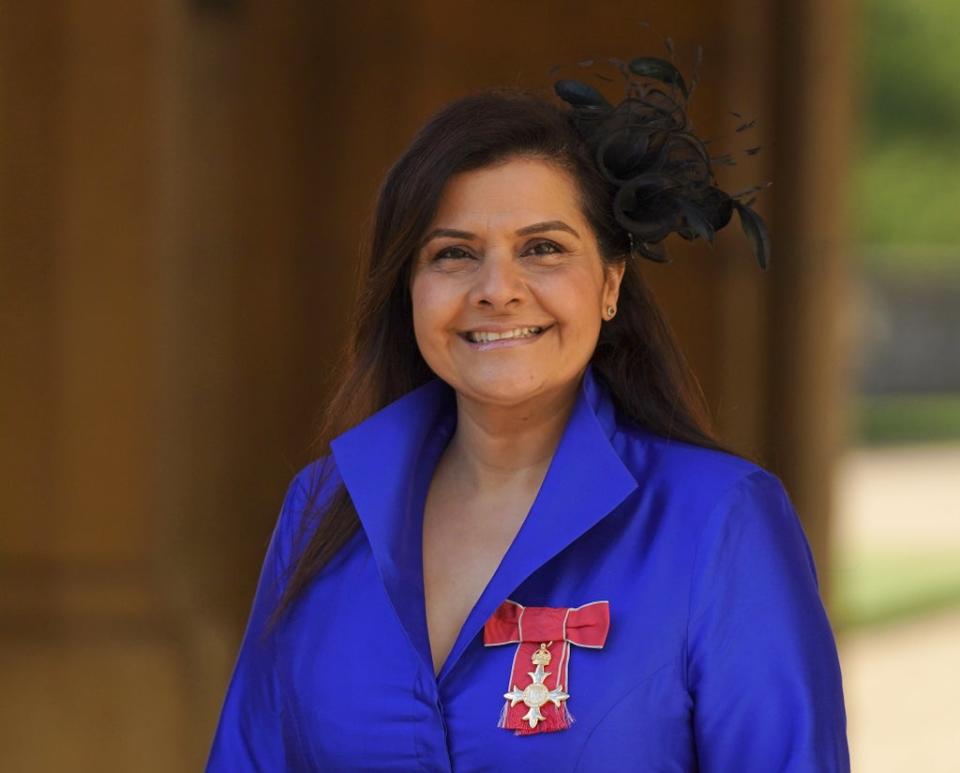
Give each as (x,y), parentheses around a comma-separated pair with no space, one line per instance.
(524,519)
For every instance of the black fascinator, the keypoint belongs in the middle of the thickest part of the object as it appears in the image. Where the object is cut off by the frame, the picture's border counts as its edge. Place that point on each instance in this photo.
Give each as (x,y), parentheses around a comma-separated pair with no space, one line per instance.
(663,172)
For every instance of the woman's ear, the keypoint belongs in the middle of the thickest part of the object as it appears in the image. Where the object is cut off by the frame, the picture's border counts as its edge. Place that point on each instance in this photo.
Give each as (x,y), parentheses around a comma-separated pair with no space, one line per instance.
(613,277)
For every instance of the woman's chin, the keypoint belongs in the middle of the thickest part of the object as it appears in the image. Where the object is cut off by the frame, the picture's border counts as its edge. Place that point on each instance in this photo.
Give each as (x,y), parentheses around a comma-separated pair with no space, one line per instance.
(502,386)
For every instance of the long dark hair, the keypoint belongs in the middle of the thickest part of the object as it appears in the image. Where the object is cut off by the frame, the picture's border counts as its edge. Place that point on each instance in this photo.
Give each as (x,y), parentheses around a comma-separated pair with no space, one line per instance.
(636,356)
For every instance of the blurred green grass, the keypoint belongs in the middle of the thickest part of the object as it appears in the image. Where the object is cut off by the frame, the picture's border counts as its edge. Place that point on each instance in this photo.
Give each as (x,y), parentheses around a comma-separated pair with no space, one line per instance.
(906,418)
(878,588)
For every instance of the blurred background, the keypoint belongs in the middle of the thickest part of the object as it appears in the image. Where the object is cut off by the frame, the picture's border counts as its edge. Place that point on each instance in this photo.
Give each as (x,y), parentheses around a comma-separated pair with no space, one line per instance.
(184,185)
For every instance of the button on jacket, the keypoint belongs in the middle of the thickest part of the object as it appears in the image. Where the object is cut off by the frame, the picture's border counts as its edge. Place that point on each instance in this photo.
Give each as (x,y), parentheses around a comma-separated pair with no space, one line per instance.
(719,655)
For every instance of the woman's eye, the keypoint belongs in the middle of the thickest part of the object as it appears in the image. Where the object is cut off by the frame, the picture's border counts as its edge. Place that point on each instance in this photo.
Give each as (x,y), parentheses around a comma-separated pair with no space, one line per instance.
(452,252)
(552,248)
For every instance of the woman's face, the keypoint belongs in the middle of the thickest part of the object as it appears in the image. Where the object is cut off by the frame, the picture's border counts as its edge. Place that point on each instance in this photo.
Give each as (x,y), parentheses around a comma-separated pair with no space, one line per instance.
(510,250)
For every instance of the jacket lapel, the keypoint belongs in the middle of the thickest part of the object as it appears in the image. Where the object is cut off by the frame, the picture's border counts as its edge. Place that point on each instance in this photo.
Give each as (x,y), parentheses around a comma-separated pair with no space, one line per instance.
(387,462)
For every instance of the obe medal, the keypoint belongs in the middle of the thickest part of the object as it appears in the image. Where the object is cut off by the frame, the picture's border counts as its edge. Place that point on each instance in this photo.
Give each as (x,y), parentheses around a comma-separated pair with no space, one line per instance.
(545,637)
(536,694)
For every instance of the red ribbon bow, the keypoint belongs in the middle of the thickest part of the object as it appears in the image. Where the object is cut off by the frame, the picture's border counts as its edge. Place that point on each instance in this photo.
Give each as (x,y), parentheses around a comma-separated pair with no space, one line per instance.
(544,636)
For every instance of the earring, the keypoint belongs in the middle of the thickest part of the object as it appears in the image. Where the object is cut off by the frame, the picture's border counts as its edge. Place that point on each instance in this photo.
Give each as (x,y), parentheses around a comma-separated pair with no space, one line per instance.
(611,312)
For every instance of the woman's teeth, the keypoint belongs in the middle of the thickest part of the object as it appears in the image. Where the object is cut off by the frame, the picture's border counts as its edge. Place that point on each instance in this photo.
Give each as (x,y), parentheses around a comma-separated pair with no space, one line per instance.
(479,337)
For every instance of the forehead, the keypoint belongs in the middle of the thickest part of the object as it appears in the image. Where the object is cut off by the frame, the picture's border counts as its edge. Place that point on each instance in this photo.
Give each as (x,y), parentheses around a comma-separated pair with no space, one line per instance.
(510,194)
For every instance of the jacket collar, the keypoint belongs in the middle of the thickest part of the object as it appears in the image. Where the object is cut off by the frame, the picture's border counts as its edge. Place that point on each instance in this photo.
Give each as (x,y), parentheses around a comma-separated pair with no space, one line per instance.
(387,462)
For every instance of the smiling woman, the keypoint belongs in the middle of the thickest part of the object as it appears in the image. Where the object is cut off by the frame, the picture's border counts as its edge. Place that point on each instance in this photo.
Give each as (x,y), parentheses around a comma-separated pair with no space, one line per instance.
(506,260)
(519,455)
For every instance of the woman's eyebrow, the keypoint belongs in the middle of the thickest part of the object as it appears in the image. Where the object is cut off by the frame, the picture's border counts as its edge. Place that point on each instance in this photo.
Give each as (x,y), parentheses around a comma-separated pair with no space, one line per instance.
(547,225)
(536,228)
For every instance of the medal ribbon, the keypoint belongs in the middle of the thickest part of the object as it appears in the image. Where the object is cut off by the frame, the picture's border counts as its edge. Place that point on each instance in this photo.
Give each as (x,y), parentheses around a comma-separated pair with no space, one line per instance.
(557,628)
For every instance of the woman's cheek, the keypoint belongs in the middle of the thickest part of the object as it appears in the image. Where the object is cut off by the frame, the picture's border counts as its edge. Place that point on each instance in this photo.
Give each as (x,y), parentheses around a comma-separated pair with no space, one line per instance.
(434,311)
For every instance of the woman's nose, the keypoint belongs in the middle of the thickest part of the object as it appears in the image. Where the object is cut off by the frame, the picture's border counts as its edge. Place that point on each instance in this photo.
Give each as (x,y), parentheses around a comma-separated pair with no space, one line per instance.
(498,282)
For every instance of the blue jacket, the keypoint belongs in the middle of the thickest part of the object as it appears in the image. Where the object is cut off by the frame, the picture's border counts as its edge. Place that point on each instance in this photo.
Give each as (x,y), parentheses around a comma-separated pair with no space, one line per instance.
(719,657)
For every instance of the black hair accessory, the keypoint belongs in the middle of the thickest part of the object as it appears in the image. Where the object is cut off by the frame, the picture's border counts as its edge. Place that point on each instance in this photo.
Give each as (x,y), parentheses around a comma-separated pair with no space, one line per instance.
(664,174)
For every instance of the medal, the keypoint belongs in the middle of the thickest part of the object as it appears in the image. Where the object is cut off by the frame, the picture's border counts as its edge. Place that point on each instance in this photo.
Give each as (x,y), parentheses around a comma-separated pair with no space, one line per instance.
(543,635)
(537,693)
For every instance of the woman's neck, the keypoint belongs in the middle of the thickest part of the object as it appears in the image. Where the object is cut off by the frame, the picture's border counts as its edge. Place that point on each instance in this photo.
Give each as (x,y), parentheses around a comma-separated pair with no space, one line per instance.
(496,447)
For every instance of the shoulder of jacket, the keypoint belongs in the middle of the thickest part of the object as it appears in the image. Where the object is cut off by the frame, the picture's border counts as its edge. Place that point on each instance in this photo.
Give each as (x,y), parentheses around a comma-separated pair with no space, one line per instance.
(699,477)
(307,492)
(678,454)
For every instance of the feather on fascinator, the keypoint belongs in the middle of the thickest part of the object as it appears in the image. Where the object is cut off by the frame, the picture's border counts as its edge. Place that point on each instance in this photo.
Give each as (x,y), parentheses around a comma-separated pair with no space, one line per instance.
(645,146)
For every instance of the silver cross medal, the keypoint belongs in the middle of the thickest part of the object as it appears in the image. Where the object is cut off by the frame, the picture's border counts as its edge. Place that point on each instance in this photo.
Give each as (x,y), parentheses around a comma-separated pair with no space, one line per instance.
(536,693)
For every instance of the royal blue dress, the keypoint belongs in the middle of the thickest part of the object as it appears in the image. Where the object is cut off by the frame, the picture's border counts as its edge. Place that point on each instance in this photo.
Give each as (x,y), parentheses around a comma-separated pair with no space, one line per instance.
(719,656)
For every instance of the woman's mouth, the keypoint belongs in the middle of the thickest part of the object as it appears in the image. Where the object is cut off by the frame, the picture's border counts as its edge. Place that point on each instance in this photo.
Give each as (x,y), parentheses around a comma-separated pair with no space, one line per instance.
(484,340)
